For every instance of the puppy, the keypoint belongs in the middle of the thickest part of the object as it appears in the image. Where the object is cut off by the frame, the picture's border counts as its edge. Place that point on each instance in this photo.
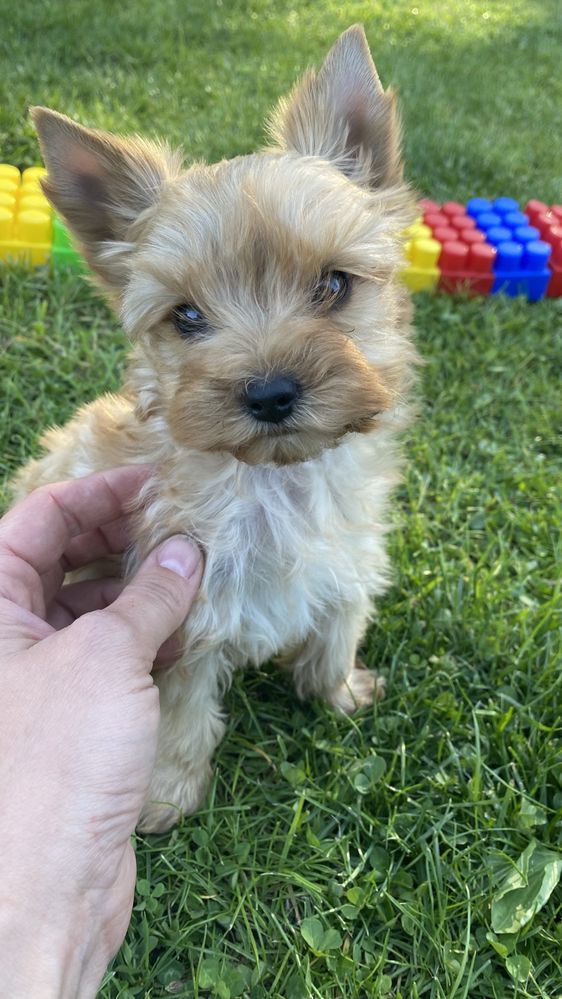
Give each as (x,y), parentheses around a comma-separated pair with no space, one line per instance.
(267,385)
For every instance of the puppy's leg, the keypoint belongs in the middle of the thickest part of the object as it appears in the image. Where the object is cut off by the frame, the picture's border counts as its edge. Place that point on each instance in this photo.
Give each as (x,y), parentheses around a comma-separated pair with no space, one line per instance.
(326,666)
(191,727)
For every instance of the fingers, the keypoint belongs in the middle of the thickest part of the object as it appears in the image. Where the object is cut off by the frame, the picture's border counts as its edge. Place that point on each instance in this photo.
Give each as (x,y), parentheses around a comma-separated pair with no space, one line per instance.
(76,599)
(80,598)
(108,539)
(38,530)
(156,602)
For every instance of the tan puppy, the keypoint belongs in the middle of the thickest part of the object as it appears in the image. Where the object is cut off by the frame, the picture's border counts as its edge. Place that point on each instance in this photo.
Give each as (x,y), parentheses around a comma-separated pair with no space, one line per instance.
(267,384)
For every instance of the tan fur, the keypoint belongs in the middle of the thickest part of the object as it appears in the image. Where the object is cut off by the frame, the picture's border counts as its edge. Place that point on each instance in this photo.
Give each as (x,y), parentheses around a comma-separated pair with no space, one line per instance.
(291,515)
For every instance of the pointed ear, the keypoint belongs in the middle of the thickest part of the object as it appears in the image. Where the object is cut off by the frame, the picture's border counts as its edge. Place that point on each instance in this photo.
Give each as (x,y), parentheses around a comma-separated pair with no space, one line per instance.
(101,185)
(343,114)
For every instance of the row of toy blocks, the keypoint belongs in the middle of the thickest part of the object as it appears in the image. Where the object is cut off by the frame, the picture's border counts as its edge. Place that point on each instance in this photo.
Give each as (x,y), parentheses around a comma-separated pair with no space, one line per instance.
(447,251)
(486,247)
(25,216)
(28,231)
(522,257)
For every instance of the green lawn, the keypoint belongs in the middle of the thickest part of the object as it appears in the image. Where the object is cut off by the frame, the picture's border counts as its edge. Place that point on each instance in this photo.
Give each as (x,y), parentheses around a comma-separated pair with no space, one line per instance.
(356,858)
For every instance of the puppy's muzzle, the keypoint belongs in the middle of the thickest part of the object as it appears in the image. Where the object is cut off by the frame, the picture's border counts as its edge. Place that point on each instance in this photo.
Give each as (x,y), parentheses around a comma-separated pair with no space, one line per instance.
(271,399)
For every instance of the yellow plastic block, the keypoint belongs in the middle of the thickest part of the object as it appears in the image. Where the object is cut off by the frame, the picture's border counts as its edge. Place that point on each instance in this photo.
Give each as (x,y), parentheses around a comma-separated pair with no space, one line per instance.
(7,199)
(33,175)
(9,172)
(25,216)
(9,184)
(418,231)
(30,198)
(421,272)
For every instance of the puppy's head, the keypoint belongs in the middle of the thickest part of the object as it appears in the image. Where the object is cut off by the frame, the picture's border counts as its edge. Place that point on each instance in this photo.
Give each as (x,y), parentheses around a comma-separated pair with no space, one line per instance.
(261,291)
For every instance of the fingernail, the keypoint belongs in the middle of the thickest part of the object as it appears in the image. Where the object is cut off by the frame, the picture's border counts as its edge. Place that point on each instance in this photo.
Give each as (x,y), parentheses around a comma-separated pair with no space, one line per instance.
(180,556)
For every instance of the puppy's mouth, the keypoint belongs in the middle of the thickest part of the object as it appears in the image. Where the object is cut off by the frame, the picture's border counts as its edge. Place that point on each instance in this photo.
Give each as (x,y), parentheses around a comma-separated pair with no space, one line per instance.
(289,444)
(291,427)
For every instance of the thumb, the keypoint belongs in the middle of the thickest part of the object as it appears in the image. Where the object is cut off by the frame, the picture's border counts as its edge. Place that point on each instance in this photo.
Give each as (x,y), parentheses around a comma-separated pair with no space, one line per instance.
(158,598)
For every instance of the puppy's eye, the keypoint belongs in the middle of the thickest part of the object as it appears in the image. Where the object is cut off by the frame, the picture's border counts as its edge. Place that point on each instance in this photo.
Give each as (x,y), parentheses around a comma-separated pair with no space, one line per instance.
(332,288)
(188,320)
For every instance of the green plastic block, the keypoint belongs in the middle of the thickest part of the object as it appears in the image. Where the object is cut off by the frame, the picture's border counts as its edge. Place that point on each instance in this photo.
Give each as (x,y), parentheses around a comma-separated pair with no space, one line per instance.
(63,253)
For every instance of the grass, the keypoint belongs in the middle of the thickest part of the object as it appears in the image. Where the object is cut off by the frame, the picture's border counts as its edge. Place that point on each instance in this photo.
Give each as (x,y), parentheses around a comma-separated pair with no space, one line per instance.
(354,858)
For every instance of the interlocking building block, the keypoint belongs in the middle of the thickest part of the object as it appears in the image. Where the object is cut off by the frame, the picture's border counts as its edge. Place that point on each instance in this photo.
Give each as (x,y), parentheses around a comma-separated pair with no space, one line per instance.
(25,216)
(465,261)
(29,233)
(467,266)
(421,272)
(492,246)
(522,257)
(485,247)
(548,220)
(63,253)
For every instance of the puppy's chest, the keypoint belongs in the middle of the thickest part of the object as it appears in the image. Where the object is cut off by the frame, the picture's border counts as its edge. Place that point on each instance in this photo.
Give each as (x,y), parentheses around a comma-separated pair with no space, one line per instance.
(279,553)
(271,570)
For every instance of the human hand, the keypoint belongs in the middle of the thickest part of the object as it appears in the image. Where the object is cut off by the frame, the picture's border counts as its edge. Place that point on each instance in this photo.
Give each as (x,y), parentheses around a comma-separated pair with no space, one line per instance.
(78,727)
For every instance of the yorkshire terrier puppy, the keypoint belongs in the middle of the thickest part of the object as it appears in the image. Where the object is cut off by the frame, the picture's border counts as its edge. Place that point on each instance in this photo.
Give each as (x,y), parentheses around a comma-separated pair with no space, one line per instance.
(267,385)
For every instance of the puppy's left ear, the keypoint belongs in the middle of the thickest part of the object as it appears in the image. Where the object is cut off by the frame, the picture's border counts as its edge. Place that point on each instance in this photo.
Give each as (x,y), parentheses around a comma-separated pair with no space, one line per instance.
(102,185)
(343,114)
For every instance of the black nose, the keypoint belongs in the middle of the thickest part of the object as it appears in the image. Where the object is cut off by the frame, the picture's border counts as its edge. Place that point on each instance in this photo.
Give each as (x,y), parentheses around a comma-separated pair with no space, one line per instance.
(271,400)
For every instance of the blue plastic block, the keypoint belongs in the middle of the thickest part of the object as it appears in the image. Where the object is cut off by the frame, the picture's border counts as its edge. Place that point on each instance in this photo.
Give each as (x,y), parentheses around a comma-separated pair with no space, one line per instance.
(505,205)
(476,206)
(526,234)
(521,268)
(515,219)
(498,234)
(487,220)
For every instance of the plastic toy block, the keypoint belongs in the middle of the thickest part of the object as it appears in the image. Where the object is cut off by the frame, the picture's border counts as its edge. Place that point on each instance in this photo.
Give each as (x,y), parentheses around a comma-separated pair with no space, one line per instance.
(25,216)
(63,253)
(427,206)
(548,220)
(444,233)
(485,247)
(465,261)
(421,272)
(522,269)
(554,289)
(452,208)
(467,266)
(490,246)
(521,265)
(28,232)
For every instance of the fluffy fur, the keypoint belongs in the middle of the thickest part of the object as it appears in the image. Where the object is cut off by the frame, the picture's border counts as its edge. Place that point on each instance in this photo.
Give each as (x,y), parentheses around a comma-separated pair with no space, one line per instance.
(291,516)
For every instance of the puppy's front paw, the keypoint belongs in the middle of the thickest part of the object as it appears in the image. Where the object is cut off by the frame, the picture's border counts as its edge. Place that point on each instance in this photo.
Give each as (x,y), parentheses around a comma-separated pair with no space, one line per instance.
(174,791)
(360,688)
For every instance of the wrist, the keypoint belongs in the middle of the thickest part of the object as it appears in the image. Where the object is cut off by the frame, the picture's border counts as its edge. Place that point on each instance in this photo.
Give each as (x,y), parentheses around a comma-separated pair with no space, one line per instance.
(49,949)
(62,915)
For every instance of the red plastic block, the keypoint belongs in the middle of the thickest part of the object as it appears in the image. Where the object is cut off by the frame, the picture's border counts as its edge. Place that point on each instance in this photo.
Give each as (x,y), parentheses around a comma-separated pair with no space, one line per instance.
(451,208)
(462,222)
(554,289)
(444,233)
(535,208)
(473,236)
(428,206)
(435,219)
(548,220)
(467,266)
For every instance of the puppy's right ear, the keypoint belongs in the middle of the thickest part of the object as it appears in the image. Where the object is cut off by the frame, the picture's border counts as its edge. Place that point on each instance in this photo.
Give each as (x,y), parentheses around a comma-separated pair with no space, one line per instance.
(101,185)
